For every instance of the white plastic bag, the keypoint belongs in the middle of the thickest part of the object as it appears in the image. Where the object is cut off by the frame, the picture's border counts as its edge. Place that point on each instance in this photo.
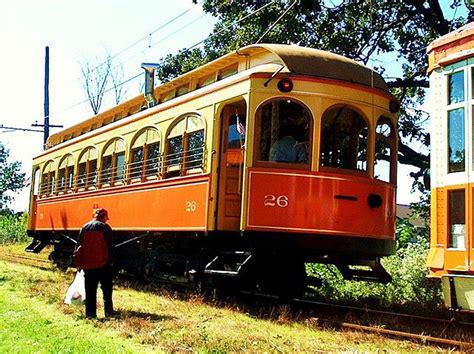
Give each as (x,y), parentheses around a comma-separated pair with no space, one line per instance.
(76,294)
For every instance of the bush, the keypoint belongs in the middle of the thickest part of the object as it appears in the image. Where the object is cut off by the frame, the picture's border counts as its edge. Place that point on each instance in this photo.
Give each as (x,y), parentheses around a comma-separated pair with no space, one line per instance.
(409,286)
(13,228)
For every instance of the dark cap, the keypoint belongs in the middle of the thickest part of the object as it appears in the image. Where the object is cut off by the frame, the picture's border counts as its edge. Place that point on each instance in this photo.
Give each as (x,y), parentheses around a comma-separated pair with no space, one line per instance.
(101,213)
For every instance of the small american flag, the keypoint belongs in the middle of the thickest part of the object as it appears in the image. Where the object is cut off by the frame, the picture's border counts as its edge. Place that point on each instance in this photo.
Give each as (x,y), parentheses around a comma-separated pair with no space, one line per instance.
(240,126)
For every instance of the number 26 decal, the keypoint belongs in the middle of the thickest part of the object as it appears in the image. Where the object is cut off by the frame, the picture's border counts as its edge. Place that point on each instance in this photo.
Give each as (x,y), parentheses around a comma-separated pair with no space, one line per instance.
(272,200)
(191,206)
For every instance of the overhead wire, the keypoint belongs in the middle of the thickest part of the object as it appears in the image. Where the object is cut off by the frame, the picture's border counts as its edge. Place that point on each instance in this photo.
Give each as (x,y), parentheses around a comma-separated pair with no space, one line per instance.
(181,52)
(173,56)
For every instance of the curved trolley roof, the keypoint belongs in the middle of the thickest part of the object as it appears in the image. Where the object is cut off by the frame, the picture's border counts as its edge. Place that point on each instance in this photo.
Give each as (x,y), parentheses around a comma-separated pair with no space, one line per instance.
(289,58)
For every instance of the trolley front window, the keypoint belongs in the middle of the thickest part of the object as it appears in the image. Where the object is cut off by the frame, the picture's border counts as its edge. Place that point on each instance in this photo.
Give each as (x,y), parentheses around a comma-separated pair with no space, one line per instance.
(456,87)
(385,159)
(284,133)
(344,136)
(457,219)
(456,141)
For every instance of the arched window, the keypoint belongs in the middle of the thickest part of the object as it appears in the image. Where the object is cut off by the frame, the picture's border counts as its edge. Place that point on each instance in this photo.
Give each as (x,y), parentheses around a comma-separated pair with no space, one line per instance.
(185,146)
(87,168)
(284,133)
(65,174)
(113,162)
(47,178)
(344,135)
(385,143)
(145,154)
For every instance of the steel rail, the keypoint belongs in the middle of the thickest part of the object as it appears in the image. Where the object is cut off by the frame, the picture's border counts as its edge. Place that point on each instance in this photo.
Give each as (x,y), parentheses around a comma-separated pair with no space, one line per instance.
(390,332)
(381,312)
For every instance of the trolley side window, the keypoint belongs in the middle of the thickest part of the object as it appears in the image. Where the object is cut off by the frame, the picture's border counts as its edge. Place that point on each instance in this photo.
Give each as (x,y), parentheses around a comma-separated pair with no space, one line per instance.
(457,219)
(385,159)
(145,155)
(47,179)
(344,136)
(113,162)
(185,147)
(87,169)
(65,174)
(284,133)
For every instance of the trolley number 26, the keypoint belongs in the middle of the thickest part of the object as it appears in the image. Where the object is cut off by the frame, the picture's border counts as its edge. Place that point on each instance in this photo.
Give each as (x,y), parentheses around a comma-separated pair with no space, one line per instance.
(271,200)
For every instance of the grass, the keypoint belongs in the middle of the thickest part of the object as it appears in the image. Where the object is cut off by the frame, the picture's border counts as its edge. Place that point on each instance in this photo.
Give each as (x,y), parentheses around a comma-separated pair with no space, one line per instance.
(33,318)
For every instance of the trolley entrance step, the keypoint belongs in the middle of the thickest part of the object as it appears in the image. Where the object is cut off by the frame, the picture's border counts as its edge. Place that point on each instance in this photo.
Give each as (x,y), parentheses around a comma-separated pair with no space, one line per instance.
(373,273)
(228,264)
(36,246)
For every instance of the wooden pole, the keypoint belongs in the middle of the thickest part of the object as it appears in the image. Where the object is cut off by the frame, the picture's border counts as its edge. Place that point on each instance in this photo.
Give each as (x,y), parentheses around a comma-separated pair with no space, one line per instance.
(46,95)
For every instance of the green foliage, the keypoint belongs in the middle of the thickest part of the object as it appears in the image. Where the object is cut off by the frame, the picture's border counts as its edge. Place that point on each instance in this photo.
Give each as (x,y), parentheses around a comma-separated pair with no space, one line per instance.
(11,179)
(368,31)
(409,286)
(13,228)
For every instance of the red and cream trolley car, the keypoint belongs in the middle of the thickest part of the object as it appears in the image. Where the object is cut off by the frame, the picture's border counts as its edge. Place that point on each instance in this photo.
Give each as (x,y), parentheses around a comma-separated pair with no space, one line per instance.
(451,256)
(244,168)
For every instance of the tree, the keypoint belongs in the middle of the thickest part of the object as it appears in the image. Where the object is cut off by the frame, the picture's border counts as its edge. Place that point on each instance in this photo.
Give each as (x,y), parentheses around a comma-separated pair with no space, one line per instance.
(96,79)
(95,82)
(11,179)
(366,31)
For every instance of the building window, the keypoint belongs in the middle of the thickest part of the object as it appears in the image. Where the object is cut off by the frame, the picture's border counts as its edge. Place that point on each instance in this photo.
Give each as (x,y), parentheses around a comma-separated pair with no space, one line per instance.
(113,162)
(87,169)
(185,146)
(145,154)
(457,219)
(47,178)
(284,133)
(66,174)
(344,136)
(385,143)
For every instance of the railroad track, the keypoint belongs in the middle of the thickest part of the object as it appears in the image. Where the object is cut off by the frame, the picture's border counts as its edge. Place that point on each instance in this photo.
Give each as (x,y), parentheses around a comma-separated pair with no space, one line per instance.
(26,260)
(444,326)
(445,332)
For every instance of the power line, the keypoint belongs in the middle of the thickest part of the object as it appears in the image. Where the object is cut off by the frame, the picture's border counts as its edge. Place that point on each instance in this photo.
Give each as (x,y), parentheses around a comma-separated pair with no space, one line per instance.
(173,56)
(21,129)
(140,40)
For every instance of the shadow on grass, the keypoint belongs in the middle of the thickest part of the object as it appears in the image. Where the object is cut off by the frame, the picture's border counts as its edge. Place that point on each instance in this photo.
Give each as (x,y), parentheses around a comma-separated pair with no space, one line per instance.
(124,314)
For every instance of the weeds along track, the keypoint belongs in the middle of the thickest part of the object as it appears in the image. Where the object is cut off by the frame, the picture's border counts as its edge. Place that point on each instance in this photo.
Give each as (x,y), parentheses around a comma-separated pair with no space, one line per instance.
(26,260)
(454,332)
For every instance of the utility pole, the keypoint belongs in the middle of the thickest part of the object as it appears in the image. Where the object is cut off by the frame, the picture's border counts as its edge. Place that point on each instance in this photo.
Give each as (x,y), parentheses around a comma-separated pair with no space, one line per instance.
(46,124)
(46,95)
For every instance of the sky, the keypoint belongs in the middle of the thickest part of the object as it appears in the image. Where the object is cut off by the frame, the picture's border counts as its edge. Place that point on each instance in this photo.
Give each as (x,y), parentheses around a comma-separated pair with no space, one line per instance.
(81,31)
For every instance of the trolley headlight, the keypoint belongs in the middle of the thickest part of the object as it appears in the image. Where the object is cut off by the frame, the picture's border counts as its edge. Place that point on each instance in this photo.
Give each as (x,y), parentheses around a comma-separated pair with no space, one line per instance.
(374,200)
(285,85)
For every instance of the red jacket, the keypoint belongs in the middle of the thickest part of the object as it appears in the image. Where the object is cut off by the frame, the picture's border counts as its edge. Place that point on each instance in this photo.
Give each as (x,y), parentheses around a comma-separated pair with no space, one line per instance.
(94,248)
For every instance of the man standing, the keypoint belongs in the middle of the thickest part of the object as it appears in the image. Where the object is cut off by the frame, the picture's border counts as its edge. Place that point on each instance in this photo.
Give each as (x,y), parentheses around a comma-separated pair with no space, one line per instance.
(94,254)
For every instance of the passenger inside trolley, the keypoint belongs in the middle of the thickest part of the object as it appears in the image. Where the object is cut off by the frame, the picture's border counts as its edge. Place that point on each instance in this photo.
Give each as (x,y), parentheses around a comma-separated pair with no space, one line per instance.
(288,148)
